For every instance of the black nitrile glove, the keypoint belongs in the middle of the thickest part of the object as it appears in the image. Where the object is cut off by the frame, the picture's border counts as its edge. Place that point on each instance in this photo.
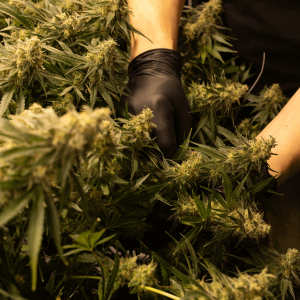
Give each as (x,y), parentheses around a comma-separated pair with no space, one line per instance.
(154,81)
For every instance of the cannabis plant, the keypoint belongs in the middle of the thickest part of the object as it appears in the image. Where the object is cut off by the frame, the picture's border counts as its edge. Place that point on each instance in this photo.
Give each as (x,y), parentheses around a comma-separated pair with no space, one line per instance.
(89,206)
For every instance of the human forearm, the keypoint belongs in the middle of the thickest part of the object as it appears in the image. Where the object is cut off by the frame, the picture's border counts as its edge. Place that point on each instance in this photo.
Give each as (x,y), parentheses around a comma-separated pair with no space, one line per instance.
(286,129)
(157,20)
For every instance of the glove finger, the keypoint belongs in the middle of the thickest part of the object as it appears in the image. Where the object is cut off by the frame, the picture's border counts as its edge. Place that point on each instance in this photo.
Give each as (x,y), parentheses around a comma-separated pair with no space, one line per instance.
(164,120)
(184,122)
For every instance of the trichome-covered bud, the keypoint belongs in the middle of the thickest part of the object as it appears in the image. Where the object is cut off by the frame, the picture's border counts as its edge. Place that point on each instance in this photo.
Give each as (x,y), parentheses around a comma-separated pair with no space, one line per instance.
(62,106)
(204,97)
(251,225)
(189,170)
(268,104)
(289,263)
(248,130)
(245,286)
(29,54)
(138,129)
(203,20)
(135,274)
(102,53)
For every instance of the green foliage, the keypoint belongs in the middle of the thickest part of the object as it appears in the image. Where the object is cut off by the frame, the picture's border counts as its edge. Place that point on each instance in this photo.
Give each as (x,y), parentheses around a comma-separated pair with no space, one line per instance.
(82,191)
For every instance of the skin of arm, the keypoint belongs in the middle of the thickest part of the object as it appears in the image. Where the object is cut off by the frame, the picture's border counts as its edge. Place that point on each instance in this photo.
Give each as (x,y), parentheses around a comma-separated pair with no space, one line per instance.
(158,20)
(285,128)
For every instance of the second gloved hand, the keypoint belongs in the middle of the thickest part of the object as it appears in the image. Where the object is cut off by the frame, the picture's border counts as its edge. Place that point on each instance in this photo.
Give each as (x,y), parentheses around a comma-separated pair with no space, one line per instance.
(154,81)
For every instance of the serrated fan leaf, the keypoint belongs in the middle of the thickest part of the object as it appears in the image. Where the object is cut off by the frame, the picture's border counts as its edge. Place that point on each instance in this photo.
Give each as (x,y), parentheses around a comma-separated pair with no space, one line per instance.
(223,49)
(284,287)
(66,90)
(218,197)
(109,17)
(260,186)
(41,80)
(78,92)
(113,178)
(15,14)
(6,99)
(35,235)
(81,193)
(50,67)
(193,257)
(112,277)
(164,274)
(189,235)
(138,183)
(228,134)
(200,206)
(190,220)
(123,26)
(65,47)
(291,289)
(240,186)
(228,190)
(134,164)
(245,75)
(215,54)
(182,150)
(15,206)
(200,124)
(55,226)
(209,151)
(106,96)
(94,237)
(220,39)
(218,238)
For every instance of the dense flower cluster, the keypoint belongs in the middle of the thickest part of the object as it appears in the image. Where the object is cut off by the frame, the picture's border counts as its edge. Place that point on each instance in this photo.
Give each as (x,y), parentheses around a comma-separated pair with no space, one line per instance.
(61,107)
(189,170)
(252,225)
(221,98)
(245,287)
(203,21)
(23,58)
(68,24)
(78,129)
(29,54)
(111,6)
(274,94)
(107,139)
(138,129)
(136,274)
(102,53)
(247,129)
(187,206)
(251,154)
(268,104)
(289,263)
(68,169)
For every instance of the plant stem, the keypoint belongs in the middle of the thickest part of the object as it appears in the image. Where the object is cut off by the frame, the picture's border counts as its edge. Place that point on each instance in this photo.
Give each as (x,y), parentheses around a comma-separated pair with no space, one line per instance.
(99,260)
(95,224)
(85,277)
(148,288)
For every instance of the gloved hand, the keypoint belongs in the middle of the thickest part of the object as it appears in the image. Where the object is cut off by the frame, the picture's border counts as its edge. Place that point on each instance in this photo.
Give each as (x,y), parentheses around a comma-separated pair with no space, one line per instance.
(154,81)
